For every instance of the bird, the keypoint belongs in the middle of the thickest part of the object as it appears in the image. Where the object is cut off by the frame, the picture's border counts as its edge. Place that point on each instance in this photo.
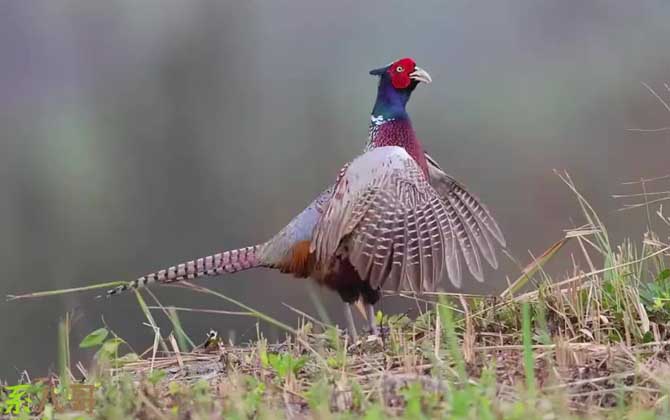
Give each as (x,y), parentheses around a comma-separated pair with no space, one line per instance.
(212,344)
(392,220)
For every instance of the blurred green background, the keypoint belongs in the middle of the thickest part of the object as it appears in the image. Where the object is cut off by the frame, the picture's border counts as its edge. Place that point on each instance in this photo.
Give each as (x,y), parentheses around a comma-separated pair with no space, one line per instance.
(136,135)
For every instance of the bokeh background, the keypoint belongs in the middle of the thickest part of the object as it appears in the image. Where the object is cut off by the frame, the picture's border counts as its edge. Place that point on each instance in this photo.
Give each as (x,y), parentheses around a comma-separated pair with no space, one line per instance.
(135,135)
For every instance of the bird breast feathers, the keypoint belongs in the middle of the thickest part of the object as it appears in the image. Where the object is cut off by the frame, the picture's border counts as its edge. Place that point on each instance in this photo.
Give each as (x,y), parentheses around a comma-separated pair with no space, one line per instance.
(373,167)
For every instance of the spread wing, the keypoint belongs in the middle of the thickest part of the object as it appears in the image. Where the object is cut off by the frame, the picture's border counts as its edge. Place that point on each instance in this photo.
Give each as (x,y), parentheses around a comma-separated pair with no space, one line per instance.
(390,223)
(476,229)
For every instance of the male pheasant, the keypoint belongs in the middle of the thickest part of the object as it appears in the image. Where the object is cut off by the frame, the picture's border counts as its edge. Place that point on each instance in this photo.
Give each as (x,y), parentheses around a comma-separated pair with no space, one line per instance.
(393,219)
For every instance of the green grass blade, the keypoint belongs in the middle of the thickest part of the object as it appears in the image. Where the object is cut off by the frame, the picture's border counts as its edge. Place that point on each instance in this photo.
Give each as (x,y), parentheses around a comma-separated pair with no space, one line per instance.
(528,359)
(247,308)
(171,314)
(529,271)
(318,304)
(47,293)
(149,317)
(183,339)
(446,315)
(64,350)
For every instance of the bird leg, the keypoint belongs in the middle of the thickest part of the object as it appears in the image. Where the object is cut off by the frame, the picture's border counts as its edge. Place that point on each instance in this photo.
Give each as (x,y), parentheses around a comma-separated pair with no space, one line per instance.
(351,325)
(372,322)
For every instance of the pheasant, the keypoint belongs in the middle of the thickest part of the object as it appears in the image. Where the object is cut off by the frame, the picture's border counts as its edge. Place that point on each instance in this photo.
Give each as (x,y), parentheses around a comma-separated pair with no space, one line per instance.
(392,220)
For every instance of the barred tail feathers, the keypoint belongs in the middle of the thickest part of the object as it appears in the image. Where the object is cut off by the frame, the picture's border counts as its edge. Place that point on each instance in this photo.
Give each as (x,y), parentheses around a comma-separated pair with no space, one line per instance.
(213,265)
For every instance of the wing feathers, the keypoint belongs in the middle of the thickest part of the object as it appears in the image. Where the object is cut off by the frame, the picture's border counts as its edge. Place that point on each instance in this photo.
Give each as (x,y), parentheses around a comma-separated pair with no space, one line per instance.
(483,233)
(480,211)
(399,239)
(439,237)
(400,231)
(453,257)
(465,234)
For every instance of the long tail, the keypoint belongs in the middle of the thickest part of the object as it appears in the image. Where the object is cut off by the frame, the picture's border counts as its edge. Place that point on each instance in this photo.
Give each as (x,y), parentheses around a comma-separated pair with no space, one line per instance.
(213,265)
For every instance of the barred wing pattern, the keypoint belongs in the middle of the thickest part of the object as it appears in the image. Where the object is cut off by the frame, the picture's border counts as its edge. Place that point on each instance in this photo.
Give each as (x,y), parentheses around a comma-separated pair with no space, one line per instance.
(390,223)
(476,229)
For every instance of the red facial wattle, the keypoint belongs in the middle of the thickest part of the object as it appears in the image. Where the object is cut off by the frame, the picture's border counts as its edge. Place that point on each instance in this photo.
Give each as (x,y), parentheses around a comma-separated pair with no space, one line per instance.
(400,71)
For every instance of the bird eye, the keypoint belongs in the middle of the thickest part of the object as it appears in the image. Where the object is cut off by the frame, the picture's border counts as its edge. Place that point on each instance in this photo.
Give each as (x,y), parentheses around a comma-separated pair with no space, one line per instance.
(400,69)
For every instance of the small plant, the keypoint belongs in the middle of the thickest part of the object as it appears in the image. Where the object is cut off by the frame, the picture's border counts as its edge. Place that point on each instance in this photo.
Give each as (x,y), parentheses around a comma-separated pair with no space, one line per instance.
(254,395)
(108,348)
(528,358)
(156,376)
(285,364)
(318,397)
(419,403)
(94,338)
(337,358)
(656,295)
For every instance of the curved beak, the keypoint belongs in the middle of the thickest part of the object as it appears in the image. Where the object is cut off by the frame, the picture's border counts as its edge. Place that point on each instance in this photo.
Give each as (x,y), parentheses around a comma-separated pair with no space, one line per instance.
(420,75)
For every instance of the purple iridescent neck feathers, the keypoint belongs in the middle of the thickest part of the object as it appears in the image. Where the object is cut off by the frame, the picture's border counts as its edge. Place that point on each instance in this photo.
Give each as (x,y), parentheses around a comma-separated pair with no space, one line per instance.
(390,124)
(397,133)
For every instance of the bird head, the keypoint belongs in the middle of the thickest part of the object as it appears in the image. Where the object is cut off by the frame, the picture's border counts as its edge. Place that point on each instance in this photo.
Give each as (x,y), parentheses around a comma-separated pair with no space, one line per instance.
(402,74)
(396,83)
